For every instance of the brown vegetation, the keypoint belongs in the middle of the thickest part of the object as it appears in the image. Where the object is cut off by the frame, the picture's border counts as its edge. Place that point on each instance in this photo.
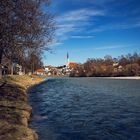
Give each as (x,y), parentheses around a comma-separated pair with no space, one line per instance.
(128,65)
(14,109)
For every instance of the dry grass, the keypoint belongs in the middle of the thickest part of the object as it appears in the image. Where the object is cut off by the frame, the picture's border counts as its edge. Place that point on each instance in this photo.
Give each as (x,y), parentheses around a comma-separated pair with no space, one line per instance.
(24,80)
(14,108)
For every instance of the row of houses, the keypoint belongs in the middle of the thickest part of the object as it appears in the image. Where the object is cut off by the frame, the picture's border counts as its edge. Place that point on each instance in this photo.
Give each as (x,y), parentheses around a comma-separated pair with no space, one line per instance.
(57,71)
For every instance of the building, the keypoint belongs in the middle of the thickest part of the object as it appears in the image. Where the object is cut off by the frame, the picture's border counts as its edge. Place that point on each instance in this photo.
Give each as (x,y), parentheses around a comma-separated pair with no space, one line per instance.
(4,69)
(72,65)
(60,70)
(40,71)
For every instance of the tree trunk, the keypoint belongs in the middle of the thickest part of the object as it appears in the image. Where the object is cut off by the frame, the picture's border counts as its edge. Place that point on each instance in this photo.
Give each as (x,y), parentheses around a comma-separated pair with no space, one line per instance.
(33,68)
(1,54)
(24,70)
(0,71)
(12,68)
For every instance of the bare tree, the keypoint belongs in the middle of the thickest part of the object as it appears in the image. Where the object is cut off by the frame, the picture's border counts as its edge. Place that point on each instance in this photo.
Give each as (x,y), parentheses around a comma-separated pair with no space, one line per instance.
(24,26)
(128,65)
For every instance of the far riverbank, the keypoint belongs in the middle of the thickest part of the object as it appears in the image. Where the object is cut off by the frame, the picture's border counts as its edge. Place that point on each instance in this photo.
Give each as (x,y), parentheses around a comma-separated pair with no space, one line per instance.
(127,78)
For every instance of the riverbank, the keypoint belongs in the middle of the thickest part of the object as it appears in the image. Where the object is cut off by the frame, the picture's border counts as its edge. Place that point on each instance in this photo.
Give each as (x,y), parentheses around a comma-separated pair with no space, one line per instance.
(14,108)
(127,78)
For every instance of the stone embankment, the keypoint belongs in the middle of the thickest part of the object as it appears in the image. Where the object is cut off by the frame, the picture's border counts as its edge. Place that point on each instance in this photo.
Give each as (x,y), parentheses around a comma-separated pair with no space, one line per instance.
(15,111)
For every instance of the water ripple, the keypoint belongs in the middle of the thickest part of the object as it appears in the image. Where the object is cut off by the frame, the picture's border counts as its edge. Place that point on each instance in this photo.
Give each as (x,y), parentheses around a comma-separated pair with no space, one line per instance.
(86,109)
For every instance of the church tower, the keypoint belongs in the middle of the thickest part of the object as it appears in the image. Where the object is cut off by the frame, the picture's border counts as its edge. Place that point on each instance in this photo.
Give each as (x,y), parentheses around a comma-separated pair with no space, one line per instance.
(67,59)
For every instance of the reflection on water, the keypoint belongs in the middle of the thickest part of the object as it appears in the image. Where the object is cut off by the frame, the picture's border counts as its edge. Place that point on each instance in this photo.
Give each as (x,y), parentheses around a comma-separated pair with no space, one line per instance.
(86,109)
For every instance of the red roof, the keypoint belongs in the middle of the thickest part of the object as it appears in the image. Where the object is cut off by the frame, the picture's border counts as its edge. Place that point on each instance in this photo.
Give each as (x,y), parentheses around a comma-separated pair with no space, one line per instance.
(73,64)
(40,70)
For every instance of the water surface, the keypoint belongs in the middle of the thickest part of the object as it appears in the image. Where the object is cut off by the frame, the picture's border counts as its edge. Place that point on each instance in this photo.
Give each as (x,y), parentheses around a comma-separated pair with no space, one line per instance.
(86,109)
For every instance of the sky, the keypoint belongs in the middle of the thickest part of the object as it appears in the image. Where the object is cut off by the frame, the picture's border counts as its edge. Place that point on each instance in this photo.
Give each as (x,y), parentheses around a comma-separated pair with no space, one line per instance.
(92,29)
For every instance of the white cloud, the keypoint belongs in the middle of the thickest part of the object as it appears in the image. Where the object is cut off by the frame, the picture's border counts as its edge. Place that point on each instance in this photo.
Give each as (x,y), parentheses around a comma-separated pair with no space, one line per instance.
(55,43)
(76,22)
(116,26)
(113,47)
(82,37)
(79,15)
(102,48)
(100,2)
(96,2)
(64,30)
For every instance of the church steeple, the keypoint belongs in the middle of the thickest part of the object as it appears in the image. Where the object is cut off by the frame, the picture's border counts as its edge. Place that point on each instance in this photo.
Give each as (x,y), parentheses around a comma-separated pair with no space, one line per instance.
(67,58)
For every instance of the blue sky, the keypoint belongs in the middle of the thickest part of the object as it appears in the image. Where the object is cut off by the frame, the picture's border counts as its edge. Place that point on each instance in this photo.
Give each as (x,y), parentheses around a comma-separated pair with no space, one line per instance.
(93,29)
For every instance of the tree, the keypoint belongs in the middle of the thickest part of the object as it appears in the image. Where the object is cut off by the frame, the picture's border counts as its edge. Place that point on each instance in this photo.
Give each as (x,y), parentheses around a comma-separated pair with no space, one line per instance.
(128,65)
(24,26)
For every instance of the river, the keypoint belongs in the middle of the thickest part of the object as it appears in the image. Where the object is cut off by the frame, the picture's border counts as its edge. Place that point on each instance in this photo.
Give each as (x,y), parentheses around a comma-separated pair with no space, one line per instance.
(86,109)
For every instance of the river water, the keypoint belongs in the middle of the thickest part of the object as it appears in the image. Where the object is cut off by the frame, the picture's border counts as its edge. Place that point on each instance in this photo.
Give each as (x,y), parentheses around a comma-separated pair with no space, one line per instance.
(86,109)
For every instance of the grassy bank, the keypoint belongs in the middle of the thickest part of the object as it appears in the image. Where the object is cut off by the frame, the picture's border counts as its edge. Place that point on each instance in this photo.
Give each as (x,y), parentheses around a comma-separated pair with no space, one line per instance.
(14,108)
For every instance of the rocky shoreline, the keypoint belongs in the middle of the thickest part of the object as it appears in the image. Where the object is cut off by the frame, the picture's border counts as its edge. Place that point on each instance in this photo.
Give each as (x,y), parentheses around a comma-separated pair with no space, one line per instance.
(15,111)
